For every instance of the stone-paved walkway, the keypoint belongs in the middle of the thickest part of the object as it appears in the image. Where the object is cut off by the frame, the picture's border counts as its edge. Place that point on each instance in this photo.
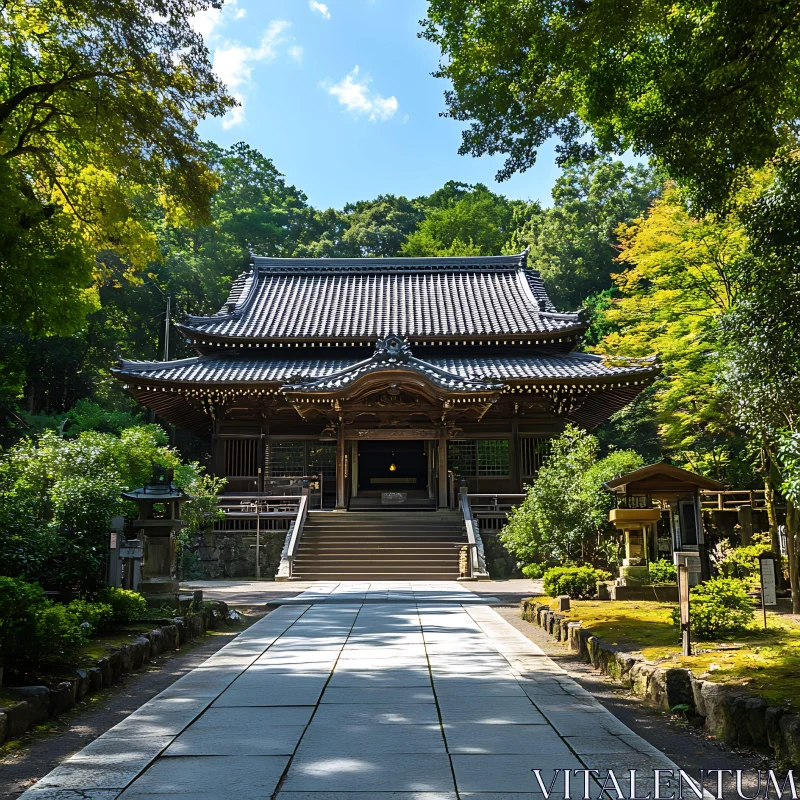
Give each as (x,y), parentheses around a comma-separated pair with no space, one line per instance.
(402,690)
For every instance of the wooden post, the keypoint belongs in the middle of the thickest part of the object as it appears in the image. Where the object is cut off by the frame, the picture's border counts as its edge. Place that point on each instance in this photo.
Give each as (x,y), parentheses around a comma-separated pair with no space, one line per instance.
(683,597)
(341,500)
(514,456)
(441,468)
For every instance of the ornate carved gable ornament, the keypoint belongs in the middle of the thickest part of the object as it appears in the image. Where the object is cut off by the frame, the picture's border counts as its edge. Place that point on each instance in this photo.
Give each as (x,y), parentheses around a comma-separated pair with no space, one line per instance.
(391,353)
(392,350)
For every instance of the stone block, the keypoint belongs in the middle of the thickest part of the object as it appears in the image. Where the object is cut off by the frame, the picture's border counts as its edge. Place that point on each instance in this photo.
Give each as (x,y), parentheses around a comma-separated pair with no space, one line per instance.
(82,684)
(592,646)
(574,636)
(623,667)
(18,719)
(678,685)
(62,697)
(140,651)
(563,602)
(3,727)
(95,679)
(772,719)
(115,661)
(789,754)
(157,642)
(106,670)
(641,673)
(182,632)
(38,700)
(657,688)
(750,721)
(717,702)
(170,634)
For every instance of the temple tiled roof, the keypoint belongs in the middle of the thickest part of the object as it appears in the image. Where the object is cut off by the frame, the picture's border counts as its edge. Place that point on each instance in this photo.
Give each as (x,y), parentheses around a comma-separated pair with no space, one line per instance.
(361,300)
(479,368)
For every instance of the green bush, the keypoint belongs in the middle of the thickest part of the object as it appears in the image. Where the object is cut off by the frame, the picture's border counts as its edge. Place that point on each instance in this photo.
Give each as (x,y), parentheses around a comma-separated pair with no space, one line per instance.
(662,571)
(718,606)
(533,571)
(56,637)
(573,581)
(126,605)
(90,617)
(18,602)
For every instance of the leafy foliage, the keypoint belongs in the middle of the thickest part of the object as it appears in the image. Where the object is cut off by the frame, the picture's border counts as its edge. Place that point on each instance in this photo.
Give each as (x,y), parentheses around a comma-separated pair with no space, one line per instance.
(472,221)
(573,243)
(709,89)
(679,282)
(57,497)
(125,605)
(717,607)
(99,104)
(662,571)
(565,513)
(573,581)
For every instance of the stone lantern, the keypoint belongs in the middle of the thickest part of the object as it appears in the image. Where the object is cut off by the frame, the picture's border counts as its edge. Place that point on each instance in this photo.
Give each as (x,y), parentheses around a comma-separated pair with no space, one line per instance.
(159,518)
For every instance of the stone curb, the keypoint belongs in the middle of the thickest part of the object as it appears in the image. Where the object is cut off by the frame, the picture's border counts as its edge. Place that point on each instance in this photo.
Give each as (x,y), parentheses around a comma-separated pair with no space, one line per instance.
(727,714)
(40,703)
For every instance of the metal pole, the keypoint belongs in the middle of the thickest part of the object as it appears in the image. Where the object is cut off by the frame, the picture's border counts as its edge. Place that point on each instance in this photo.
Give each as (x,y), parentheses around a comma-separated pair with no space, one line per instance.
(166,329)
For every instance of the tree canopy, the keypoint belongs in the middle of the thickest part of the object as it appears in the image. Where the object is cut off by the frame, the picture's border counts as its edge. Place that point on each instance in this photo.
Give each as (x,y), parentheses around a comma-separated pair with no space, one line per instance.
(99,104)
(709,88)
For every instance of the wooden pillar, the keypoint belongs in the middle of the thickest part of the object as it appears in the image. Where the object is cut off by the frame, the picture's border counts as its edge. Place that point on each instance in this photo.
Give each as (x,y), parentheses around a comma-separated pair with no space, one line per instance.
(441,469)
(514,456)
(341,500)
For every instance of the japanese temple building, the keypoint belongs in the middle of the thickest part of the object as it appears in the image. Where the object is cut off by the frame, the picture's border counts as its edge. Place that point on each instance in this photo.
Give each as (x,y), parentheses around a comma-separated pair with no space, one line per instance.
(387,376)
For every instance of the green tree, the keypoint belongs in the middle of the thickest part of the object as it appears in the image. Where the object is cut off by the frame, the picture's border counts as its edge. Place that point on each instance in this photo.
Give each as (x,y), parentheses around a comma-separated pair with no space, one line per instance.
(760,372)
(707,87)
(380,227)
(99,104)
(57,497)
(564,517)
(462,220)
(679,282)
(573,243)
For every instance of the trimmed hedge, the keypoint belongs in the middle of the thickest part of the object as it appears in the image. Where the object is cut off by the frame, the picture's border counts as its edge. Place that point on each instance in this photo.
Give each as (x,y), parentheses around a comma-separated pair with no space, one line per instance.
(576,582)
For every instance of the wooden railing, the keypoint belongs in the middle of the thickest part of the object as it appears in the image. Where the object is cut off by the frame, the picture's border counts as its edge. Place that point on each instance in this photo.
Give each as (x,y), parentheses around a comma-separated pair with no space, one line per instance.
(732,500)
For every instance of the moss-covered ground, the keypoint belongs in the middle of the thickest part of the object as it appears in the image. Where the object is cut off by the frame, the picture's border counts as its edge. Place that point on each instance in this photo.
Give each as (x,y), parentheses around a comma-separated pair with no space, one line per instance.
(766,663)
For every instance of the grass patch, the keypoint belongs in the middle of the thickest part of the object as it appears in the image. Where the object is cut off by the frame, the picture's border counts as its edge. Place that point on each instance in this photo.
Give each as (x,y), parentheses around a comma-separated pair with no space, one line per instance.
(766,663)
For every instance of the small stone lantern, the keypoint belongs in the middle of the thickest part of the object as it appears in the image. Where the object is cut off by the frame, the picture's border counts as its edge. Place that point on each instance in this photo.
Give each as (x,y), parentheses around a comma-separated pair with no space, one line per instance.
(159,518)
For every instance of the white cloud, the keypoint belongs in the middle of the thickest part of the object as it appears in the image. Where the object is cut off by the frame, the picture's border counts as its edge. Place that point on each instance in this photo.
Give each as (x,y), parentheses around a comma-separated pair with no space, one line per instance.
(320,7)
(209,21)
(360,100)
(234,63)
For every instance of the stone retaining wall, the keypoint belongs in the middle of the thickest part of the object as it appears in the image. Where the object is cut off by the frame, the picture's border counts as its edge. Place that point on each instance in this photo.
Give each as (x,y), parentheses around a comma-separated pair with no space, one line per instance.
(36,704)
(221,555)
(727,713)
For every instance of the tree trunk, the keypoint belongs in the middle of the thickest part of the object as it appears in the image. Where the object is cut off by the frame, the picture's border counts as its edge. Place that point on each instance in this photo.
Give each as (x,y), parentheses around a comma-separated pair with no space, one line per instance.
(774,534)
(792,542)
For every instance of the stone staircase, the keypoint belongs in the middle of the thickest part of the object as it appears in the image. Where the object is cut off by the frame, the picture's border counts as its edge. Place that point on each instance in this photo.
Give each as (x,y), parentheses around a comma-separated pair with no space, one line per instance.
(380,545)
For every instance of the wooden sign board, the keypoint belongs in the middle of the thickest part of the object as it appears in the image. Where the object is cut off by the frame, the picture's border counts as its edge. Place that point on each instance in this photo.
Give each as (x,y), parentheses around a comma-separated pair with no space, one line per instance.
(131,552)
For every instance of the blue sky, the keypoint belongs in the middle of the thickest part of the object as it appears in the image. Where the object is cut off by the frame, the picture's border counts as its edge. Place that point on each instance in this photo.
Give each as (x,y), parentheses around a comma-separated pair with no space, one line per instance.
(339,94)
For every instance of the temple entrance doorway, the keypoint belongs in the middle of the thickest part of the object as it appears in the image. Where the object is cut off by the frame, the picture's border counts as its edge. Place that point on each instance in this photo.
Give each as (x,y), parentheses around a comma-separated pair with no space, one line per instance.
(392,474)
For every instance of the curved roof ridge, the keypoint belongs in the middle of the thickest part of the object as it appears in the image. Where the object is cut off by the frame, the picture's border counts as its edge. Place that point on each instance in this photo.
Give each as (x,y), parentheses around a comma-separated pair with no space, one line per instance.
(390,263)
